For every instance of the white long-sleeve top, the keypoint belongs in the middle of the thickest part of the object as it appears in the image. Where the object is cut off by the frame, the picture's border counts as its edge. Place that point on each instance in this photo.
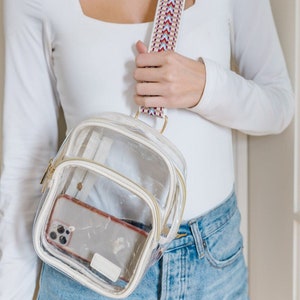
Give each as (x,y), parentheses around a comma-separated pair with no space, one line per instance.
(55,55)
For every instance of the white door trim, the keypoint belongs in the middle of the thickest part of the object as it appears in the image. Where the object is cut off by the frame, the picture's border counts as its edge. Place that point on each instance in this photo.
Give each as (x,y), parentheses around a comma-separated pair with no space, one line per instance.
(240,142)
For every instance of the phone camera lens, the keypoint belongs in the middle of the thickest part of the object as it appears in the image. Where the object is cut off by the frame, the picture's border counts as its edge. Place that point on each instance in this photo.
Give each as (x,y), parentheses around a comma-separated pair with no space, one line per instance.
(60,229)
(62,240)
(53,235)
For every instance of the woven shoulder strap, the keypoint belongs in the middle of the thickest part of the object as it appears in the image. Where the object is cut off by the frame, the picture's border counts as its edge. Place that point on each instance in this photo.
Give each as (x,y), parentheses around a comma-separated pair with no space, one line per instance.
(164,36)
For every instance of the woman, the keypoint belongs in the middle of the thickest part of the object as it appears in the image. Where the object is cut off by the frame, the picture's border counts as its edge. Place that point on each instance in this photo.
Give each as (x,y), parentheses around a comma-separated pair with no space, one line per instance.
(87,57)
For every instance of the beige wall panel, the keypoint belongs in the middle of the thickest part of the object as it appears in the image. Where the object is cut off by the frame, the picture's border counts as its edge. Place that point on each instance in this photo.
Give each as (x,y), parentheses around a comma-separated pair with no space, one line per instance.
(271,175)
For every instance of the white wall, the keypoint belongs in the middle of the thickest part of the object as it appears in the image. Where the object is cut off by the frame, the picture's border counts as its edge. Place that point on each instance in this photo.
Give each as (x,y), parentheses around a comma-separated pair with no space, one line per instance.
(271,175)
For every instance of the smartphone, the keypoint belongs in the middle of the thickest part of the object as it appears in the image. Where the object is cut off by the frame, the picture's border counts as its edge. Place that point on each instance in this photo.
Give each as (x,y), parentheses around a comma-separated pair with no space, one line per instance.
(107,244)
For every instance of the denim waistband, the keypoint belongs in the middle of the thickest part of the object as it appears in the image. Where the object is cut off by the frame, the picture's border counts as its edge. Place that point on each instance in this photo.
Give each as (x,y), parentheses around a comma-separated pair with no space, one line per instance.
(199,228)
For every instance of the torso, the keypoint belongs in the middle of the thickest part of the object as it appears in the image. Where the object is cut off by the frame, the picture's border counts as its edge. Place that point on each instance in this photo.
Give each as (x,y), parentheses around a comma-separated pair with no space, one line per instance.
(93,61)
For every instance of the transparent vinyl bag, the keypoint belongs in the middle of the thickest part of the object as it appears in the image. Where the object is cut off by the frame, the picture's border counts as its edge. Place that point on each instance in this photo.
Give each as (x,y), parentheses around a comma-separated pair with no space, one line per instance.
(113,201)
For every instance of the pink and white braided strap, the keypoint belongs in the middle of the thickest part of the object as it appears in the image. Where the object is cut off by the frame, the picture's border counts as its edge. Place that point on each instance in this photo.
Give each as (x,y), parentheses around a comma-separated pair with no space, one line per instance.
(164,36)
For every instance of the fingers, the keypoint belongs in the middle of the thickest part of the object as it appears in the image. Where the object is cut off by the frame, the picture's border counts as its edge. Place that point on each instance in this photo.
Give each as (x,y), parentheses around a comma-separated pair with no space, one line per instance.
(148,89)
(154,67)
(141,47)
(150,101)
(156,94)
(147,74)
(167,79)
(153,59)
(151,74)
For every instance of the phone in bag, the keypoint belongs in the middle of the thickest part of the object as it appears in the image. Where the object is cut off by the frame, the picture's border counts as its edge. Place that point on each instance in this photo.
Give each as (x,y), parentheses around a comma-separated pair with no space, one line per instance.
(105,243)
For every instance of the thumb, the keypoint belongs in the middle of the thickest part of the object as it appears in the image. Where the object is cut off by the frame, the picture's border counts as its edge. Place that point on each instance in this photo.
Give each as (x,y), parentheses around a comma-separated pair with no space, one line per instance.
(141,47)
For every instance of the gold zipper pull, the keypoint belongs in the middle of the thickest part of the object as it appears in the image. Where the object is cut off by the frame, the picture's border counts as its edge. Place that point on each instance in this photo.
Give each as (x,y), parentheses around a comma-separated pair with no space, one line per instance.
(180,235)
(48,173)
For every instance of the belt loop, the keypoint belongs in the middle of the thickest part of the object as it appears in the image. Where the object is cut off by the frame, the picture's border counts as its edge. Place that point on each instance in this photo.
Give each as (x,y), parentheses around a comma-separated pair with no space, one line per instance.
(197,237)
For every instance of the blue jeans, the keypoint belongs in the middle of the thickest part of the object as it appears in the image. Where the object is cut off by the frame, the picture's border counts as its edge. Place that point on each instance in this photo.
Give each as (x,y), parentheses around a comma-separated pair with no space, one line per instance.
(206,264)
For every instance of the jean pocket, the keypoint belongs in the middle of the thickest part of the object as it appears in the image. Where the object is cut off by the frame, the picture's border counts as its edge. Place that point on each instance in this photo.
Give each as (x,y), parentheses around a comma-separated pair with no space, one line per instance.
(225,245)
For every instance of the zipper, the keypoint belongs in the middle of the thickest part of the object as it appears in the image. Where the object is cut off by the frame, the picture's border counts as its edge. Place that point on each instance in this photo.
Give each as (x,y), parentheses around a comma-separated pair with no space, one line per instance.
(47,175)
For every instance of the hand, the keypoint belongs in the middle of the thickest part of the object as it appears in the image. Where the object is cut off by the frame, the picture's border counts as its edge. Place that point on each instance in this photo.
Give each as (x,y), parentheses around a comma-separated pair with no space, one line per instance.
(167,79)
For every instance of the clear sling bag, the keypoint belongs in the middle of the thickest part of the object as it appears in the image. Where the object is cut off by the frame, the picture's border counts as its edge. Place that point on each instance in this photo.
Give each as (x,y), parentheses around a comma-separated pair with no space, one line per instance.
(113,196)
